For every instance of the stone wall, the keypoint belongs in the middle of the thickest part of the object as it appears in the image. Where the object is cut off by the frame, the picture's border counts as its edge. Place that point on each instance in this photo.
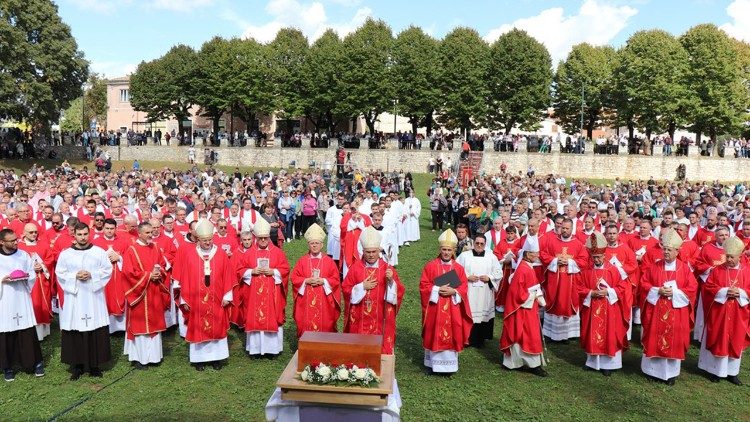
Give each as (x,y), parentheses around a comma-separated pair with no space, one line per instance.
(585,166)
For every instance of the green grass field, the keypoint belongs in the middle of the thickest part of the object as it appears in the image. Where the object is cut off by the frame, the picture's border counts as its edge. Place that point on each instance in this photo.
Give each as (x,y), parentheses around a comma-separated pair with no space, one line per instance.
(480,391)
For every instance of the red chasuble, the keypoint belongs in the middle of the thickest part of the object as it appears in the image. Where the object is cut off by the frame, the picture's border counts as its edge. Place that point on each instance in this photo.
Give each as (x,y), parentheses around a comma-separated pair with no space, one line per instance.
(604,326)
(114,290)
(559,287)
(445,326)
(314,310)
(500,250)
(237,315)
(520,325)
(373,315)
(350,239)
(711,256)
(41,293)
(727,324)
(666,330)
(264,301)
(146,299)
(206,319)
(630,265)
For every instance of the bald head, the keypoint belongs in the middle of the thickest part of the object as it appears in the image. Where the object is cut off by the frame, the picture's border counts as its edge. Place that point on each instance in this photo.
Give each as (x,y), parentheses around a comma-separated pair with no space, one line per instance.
(31,232)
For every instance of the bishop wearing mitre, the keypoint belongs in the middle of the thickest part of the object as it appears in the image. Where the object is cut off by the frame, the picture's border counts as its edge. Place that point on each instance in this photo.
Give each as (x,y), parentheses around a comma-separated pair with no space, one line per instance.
(316,287)
(666,296)
(446,313)
(372,293)
(521,340)
(264,270)
(205,277)
(726,304)
(602,291)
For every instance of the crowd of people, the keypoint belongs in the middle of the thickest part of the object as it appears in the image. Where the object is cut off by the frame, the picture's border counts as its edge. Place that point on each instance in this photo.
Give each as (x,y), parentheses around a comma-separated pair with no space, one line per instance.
(141,251)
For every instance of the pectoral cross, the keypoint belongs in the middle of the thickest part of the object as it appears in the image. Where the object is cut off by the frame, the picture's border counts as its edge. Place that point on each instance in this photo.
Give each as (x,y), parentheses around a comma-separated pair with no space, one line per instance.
(564,253)
(86,319)
(18,319)
(368,304)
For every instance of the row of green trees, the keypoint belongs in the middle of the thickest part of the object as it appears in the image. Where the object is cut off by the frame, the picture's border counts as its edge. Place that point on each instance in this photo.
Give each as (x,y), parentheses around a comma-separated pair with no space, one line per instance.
(655,83)
(41,68)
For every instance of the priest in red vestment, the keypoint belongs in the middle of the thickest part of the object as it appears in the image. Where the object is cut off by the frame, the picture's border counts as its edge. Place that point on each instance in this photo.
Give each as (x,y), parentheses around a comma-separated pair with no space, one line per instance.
(264,271)
(666,296)
(205,277)
(372,293)
(640,244)
(689,251)
(726,304)
(351,227)
(605,314)
(237,317)
(564,257)
(622,257)
(316,287)
(168,247)
(147,293)
(446,313)
(114,291)
(41,293)
(506,252)
(711,256)
(521,339)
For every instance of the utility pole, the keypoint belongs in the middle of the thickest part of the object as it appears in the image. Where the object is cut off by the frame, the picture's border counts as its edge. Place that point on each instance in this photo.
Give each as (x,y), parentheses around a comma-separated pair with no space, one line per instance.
(583,93)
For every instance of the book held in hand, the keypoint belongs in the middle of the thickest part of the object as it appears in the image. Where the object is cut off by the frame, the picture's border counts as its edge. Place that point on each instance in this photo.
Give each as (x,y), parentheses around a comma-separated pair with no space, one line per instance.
(448,279)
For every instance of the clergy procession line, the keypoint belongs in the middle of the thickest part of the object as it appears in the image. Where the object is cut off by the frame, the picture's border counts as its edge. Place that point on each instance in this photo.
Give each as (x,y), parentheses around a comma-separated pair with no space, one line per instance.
(110,269)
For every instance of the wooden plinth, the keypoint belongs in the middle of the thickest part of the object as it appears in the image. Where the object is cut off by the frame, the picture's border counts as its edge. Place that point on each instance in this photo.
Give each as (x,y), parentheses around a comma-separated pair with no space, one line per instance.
(294,389)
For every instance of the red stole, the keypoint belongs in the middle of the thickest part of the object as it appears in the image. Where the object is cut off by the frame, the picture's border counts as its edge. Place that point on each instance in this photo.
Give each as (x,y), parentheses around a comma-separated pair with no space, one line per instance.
(264,301)
(146,299)
(604,326)
(314,310)
(727,324)
(445,326)
(373,315)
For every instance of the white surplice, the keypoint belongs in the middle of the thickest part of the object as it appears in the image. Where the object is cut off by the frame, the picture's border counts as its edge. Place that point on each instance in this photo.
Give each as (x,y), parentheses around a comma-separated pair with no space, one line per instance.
(84,305)
(16,308)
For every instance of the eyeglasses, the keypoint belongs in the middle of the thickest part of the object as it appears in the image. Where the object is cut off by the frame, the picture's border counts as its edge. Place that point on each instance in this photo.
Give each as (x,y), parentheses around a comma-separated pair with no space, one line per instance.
(34,232)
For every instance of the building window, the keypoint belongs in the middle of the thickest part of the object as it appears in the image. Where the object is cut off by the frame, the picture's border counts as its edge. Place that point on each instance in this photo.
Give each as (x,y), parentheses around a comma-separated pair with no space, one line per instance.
(124,96)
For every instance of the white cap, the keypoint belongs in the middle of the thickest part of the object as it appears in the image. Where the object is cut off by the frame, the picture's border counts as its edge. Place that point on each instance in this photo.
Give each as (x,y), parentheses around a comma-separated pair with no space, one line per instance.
(370,238)
(261,228)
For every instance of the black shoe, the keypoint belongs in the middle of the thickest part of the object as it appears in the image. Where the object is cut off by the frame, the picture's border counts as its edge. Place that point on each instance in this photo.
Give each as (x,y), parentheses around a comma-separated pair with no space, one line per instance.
(587,368)
(76,373)
(9,375)
(139,366)
(539,371)
(670,382)
(734,379)
(607,372)
(217,366)
(200,367)
(714,379)
(96,372)
(39,370)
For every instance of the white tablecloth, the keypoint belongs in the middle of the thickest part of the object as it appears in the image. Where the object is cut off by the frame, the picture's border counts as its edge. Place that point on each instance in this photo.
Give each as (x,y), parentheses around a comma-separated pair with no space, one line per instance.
(289,411)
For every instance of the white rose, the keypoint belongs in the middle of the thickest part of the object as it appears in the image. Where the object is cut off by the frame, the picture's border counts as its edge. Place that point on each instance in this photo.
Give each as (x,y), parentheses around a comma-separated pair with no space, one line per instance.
(360,374)
(342,374)
(304,375)
(324,371)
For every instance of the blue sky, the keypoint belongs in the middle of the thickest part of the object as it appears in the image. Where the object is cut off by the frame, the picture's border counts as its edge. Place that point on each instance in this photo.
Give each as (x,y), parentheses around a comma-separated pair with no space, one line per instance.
(116,35)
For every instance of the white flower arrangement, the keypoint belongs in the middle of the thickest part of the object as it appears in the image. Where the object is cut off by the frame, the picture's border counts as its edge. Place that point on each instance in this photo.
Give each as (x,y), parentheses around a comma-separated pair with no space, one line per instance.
(341,375)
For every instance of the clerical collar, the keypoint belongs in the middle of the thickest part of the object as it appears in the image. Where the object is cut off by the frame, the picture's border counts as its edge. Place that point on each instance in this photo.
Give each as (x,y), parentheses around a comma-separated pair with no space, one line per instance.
(2,251)
(444,262)
(263,249)
(318,255)
(373,265)
(109,238)
(613,246)
(736,267)
(78,247)
(205,251)
(378,228)
(28,242)
(142,243)
(670,266)
(477,253)
(645,238)
(599,267)
(566,239)
(339,206)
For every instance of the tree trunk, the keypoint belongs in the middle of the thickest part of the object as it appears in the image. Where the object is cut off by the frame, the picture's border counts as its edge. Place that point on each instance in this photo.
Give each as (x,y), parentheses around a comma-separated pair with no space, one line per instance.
(216,117)
(590,129)
(631,131)
(414,126)
(428,122)
(370,122)
(671,130)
